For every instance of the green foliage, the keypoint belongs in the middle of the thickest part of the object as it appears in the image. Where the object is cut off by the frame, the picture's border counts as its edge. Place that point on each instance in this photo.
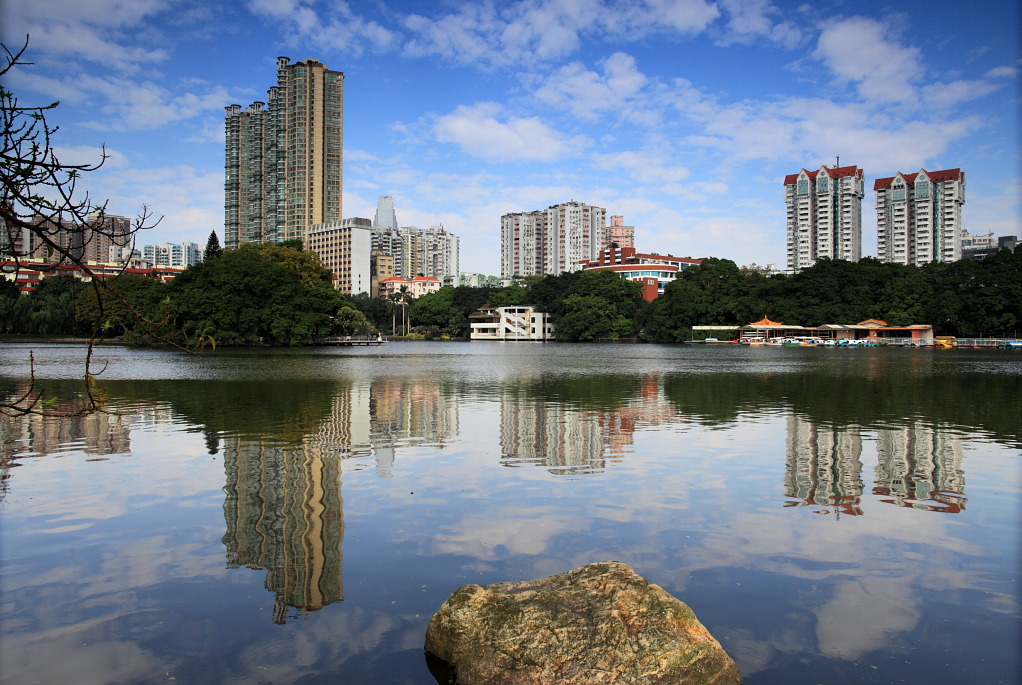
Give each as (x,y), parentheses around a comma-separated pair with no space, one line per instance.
(446,312)
(965,298)
(350,321)
(115,310)
(258,294)
(589,317)
(49,309)
(213,249)
(376,309)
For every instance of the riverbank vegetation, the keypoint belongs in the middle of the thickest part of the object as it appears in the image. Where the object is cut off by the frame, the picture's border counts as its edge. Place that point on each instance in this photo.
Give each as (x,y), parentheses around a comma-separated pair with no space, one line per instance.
(281,295)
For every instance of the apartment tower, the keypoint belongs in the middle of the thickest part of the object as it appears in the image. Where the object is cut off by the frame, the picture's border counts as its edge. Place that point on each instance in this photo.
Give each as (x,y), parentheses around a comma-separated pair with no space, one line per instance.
(283,163)
(919,216)
(824,215)
(551,241)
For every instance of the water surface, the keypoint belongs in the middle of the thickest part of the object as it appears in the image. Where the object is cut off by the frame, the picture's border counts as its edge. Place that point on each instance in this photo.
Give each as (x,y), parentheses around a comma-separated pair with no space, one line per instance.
(285,516)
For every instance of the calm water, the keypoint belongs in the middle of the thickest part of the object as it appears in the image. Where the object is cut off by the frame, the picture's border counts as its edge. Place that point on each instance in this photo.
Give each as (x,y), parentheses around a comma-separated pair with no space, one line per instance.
(832,515)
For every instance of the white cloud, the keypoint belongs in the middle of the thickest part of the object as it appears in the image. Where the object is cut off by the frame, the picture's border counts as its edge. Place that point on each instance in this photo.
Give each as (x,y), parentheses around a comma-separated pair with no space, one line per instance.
(862,51)
(587,93)
(750,21)
(645,167)
(478,132)
(136,106)
(100,31)
(338,29)
(535,31)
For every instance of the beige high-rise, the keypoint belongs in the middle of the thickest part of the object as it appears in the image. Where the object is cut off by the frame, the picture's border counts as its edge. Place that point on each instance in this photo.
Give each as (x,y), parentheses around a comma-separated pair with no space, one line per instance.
(283,164)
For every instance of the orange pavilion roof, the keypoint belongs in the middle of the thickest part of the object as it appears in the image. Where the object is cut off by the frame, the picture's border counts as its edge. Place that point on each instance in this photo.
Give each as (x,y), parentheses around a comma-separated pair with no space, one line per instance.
(766,322)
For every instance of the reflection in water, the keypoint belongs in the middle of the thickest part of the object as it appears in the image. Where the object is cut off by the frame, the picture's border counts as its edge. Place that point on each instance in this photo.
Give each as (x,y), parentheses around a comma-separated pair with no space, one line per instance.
(579,433)
(822,467)
(283,514)
(920,467)
(677,469)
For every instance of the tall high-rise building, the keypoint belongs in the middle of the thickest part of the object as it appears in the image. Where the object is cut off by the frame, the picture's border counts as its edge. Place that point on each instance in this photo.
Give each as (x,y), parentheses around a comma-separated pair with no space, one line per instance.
(919,216)
(283,164)
(824,215)
(551,241)
(438,254)
(386,217)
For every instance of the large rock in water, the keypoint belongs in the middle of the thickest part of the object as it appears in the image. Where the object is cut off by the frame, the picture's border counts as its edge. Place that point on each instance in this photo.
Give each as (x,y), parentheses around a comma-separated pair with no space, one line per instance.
(600,623)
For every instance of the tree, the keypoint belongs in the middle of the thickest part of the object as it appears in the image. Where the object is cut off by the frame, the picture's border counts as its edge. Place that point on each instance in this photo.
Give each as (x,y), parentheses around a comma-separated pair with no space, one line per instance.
(255,295)
(40,199)
(113,316)
(213,248)
(350,321)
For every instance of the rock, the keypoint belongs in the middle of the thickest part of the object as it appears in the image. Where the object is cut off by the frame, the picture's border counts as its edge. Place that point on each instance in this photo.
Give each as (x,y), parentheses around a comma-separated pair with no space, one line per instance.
(601,623)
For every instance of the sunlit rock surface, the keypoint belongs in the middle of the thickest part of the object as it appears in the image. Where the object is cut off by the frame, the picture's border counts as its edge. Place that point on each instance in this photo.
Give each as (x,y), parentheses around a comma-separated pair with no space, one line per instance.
(600,623)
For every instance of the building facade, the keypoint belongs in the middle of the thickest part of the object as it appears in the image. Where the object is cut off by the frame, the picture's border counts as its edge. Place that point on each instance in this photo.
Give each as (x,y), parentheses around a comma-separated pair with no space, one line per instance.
(919,216)
(551,241)
(824,215)
(345,247)
(618,234)
(653,271)
(414,287)
(521,322)
(283,157)
(172,254)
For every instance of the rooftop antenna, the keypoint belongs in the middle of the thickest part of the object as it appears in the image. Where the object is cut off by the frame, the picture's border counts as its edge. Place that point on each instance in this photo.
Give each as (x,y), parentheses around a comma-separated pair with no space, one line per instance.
(837,164)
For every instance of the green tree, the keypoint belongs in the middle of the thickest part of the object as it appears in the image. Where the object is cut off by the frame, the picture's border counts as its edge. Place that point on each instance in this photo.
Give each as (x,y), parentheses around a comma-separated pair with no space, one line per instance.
(213,248)
(50,308)
(255,295)
(350,321)
(9,295)
(134,298)
(589,317)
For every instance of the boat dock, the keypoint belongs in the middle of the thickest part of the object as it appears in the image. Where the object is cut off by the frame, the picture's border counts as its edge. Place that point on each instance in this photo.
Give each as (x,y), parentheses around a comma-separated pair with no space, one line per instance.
(349,340)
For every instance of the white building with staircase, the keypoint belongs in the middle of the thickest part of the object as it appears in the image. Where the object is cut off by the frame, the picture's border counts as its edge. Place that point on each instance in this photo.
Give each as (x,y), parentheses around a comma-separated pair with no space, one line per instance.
(520,322)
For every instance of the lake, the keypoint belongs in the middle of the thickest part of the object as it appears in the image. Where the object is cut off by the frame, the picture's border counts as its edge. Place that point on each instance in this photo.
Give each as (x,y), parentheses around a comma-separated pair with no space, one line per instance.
(832,515)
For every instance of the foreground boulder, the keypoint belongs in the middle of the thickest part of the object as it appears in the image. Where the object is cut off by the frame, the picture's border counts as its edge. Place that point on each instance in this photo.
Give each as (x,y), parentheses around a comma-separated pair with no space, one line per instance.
(600,623)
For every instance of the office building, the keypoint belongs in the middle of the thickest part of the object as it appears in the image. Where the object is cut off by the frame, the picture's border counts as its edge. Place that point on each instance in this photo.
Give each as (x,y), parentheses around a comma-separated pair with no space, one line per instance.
(283,159)
(824,215)
(551,241)
(345,247)
(919,216)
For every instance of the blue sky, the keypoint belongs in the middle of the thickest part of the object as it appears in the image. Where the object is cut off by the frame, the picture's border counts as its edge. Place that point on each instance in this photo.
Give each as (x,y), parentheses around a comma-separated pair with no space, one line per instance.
(683,116)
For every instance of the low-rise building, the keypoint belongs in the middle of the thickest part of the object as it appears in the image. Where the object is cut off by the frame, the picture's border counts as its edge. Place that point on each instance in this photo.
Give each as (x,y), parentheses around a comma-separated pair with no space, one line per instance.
(653,271)
(27,273)
(517,323)
(416,287)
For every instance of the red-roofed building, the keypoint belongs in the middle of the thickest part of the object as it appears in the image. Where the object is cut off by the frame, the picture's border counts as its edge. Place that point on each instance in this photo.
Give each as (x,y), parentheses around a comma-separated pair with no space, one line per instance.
(654,271)
(824,215)
(27,273)
(416,287)
(919,216)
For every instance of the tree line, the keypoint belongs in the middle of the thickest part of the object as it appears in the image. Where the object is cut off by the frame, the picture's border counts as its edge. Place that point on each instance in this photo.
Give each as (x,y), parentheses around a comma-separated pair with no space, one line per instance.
(279,294)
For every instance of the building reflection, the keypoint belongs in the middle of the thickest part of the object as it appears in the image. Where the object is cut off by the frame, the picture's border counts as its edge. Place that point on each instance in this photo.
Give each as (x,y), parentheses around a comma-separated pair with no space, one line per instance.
(98,434)
(920,467)
(568,439)
(283,505)
(917,466)
(823,467)
(284,515)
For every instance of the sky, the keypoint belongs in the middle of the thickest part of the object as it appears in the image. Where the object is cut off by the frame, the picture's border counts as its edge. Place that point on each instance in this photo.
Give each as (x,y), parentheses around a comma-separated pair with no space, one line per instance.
(682,116)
